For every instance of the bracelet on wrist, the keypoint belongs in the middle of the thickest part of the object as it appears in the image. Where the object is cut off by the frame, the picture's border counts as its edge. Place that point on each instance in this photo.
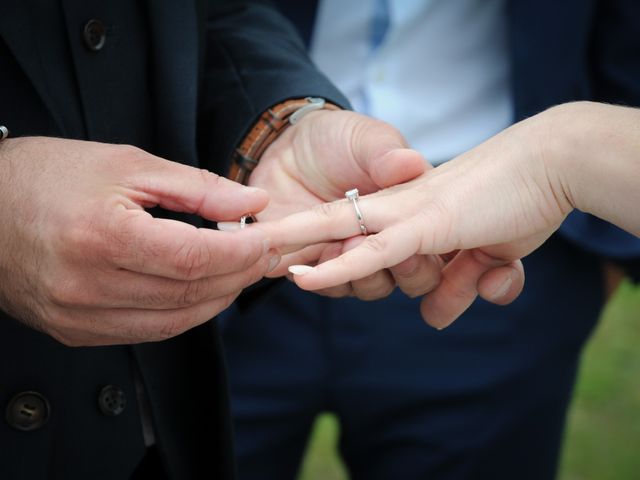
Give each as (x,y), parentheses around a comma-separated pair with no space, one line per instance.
(270,126)
(4,133)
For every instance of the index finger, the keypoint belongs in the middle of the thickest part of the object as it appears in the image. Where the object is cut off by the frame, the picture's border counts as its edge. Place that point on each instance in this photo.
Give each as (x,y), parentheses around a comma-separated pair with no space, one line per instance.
(183,188)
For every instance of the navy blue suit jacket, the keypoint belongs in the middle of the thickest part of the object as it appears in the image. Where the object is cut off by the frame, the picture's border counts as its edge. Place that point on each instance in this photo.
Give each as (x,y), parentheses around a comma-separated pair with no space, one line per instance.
(215,67)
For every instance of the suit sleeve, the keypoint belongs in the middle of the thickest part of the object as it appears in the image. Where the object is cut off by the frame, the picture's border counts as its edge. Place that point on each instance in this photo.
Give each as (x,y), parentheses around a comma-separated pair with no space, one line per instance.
(253,59)
(615,74)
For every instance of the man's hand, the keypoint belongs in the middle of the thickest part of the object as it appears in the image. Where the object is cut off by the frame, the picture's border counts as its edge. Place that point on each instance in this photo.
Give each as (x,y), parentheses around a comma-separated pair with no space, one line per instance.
(81,259)
(316,161)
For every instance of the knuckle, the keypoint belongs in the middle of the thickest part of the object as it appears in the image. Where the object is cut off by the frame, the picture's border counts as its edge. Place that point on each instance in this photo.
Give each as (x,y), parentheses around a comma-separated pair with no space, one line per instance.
(417,279)
(191,261)
(114,156)
(408,269)
(61,333)
(211,179)
(126,152)
(343,262)
(373,287)
(65,293)
(414,287)
(160,298)
(414,291)
(385,132)
(76,238)
(458,293)
(325,211)
(129,330)
(192,292)
(375,244)
(439,214)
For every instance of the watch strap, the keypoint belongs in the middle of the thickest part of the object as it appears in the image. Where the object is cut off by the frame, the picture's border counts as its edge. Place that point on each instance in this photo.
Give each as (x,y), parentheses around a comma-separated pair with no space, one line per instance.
(269,127)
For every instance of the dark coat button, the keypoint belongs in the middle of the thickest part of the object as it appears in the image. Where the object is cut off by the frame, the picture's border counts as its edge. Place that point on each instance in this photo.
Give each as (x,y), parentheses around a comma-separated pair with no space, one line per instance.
(112,400)
(95,35)
(27,411)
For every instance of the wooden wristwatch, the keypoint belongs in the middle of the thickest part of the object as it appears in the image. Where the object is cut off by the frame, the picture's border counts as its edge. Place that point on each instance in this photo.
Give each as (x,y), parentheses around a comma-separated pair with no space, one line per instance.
(268,127)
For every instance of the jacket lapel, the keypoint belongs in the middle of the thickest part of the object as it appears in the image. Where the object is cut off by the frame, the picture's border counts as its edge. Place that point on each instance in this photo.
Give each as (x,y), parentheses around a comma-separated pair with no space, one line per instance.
(33,40)
(175,30)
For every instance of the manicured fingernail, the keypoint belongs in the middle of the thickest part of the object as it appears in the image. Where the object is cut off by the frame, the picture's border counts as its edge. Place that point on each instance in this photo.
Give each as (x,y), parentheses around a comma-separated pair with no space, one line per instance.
(228,226)
(502,289)
(300,269)
(274,260)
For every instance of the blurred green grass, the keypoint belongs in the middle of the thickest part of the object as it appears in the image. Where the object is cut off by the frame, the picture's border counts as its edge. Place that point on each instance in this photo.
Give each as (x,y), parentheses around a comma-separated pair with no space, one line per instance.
(603,428)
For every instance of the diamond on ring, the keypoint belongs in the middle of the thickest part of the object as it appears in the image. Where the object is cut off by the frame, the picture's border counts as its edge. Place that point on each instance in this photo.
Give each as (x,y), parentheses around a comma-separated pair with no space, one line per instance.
(353,195)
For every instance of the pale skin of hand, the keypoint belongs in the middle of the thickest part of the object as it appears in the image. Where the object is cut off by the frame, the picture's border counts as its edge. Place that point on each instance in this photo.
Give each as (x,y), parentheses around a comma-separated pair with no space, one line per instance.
(317,160)
(81,259)
(495,203)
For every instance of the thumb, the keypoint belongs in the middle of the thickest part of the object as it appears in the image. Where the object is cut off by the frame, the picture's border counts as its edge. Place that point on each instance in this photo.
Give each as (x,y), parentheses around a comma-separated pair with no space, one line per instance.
(182,188)
(395,166)
(381,151)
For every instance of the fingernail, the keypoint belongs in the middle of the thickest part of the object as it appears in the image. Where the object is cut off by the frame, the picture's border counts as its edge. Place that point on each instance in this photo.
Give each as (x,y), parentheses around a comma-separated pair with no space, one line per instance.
(502,289)
(228,226)
(300,269)
(273,261)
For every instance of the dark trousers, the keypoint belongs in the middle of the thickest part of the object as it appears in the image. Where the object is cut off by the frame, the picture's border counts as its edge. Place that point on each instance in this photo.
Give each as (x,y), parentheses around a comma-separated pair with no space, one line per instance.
(483,399)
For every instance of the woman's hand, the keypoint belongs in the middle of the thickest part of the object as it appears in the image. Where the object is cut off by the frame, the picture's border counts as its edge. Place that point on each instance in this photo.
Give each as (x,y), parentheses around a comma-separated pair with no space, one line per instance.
(492,205)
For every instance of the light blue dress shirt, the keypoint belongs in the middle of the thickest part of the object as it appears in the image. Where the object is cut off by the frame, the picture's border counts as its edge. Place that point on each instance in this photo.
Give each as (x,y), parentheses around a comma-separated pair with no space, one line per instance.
(398,60)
